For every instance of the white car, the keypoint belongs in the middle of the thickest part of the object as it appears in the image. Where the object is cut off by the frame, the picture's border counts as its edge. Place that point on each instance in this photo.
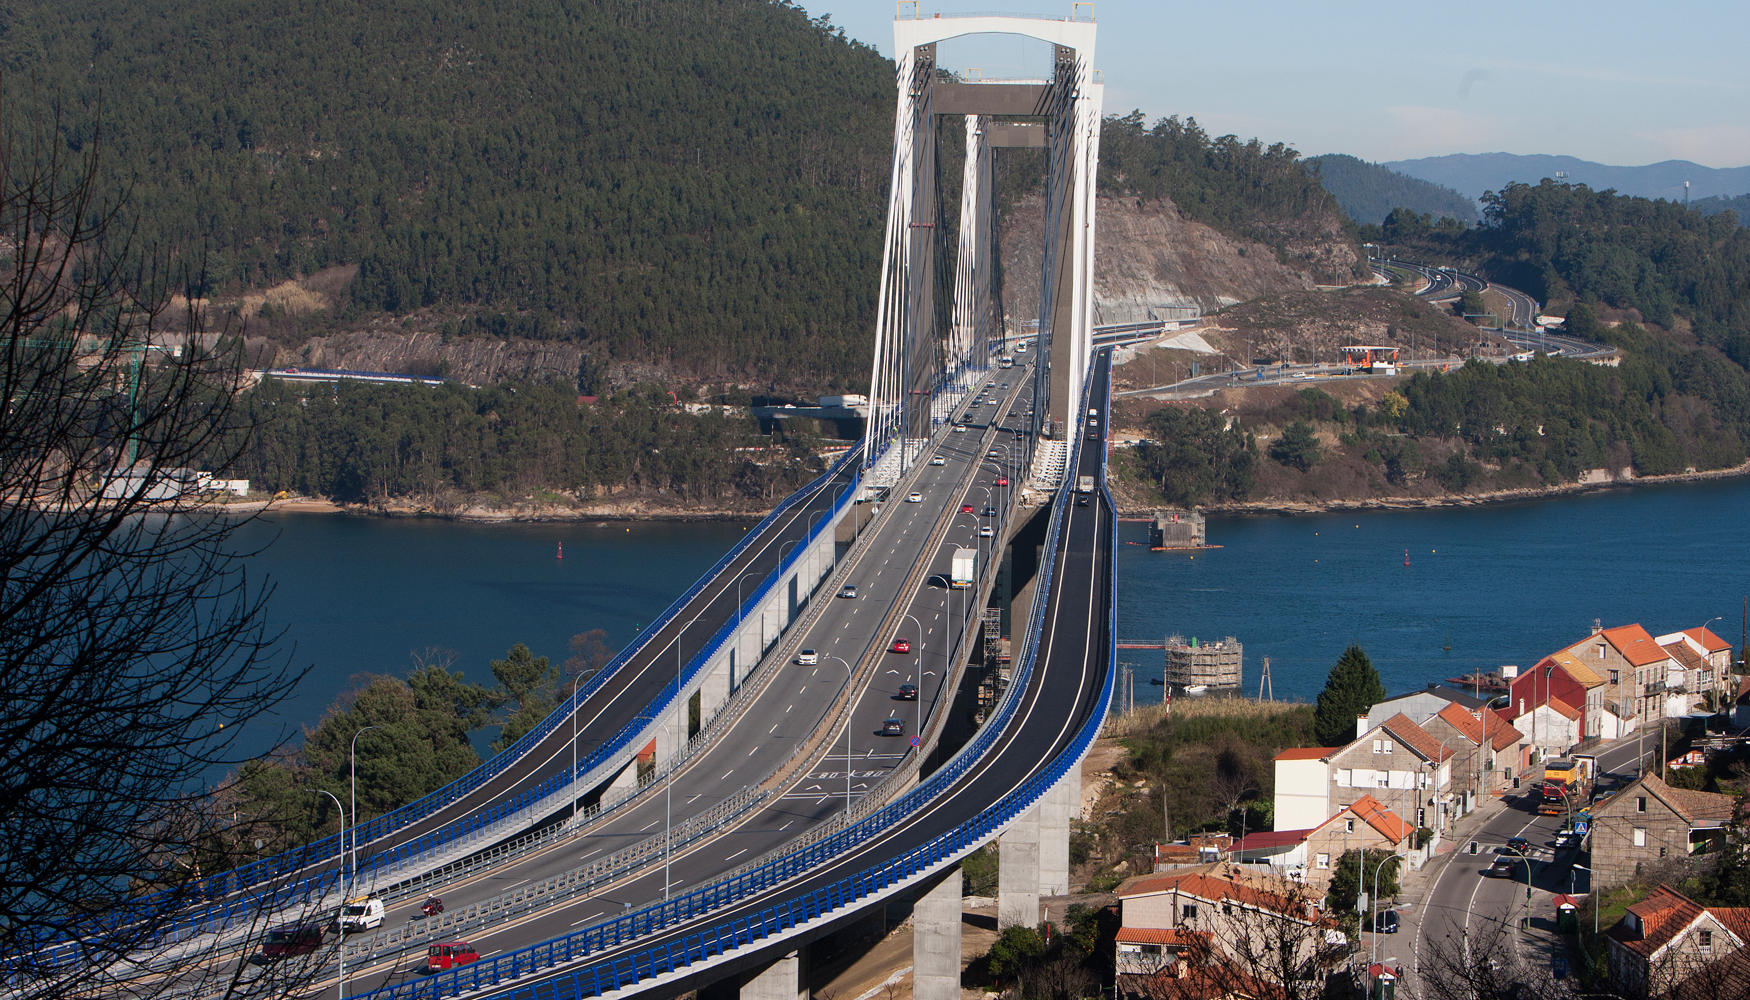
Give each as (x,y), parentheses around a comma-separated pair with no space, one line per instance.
(984,531)
(808,658)
(361,913)
(960,428)
(939,460)
(915,498)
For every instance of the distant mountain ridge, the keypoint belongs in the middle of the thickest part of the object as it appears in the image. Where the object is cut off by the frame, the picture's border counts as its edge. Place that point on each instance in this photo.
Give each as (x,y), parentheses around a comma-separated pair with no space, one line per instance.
(1369,191)
(1475,173)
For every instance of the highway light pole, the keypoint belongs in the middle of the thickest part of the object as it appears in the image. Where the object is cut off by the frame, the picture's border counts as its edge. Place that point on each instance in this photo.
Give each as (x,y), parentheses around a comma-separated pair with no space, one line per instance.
(674,754)
(340,950)
(353,758)
(850,717)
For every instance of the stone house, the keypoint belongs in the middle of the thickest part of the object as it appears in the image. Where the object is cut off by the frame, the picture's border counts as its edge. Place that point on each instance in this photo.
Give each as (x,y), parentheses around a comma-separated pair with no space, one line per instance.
(1489,751)
(1310,856)
(1649,820)
(1396,762)
(1667,939)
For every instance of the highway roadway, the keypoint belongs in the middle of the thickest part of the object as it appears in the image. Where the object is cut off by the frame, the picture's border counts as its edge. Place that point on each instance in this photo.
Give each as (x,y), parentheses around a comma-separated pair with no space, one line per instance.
(1062,692)
(798,700)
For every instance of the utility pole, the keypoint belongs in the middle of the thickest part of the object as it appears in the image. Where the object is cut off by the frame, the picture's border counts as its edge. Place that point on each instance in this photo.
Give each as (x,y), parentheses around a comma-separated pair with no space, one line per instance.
(1266,684)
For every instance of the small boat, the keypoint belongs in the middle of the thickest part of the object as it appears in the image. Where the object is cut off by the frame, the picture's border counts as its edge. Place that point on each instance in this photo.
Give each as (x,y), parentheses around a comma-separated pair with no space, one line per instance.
(1487,683)
(1197,690)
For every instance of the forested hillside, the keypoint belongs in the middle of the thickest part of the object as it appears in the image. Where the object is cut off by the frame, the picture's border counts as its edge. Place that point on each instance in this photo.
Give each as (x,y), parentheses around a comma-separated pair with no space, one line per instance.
(674,180)
(1739,206)
(1368,191)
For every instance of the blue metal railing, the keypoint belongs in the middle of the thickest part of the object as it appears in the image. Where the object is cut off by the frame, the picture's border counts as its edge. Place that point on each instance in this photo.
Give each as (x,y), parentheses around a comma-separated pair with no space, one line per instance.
(235,883)
(715,941)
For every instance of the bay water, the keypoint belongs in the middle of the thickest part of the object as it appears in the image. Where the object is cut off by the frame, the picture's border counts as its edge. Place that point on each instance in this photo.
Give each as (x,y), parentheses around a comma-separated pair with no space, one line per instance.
(1498,584)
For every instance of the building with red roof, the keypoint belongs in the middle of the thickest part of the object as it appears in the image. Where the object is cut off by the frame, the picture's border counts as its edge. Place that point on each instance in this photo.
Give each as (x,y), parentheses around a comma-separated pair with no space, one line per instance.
(1310,856)
(1667,938)
(1491,751)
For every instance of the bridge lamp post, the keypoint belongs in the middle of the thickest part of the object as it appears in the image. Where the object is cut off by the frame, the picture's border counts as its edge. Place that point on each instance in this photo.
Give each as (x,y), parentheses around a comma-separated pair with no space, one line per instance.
(850,718)
(673,753)
(354,766)
(340,951)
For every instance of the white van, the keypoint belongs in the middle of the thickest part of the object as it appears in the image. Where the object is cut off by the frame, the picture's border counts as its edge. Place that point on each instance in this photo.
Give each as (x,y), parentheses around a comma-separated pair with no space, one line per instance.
(361,913)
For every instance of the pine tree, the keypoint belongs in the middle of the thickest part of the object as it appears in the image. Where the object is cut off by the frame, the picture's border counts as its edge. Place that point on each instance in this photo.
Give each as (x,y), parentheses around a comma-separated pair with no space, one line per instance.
(1353,688)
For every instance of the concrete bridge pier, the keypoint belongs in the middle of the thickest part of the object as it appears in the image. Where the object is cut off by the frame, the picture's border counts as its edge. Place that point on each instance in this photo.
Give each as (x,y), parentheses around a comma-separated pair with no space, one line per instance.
(935,940)
(1035,853)
(783,979)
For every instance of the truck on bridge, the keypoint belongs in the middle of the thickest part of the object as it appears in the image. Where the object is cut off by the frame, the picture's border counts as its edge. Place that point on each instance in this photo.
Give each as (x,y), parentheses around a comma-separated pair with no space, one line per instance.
(965,569)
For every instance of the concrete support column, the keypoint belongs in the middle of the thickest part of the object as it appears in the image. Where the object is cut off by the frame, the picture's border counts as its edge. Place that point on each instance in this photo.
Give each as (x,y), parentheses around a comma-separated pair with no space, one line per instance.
(714,688)
(935,941)
(1060,805)
(1018,873)
(624,784)
(665,733)
(785,979)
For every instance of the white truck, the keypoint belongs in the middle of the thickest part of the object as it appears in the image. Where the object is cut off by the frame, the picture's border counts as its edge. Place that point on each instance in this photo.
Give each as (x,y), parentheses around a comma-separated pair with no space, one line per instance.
(965,568)
(1085,484)
(361,913)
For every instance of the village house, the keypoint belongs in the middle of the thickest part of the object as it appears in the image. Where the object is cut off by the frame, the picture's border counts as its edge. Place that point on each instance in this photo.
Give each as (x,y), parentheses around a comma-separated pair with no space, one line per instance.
(1262,924)
(1303,788)
(1705,660)
(1557,678)
(1548,730)
(1310,856)
(1396,762)
(1649,820)
(1490,751)
(1667,939)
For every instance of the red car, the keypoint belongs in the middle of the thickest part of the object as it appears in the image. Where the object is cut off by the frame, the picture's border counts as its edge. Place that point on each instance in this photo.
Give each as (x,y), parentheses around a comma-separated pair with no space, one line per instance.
(1002,480)
(965,508)
(450,954)
(289,940)
(902,645)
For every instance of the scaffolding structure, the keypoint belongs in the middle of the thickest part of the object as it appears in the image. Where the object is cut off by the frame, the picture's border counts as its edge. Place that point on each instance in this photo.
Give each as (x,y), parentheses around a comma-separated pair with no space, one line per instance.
(1197,668)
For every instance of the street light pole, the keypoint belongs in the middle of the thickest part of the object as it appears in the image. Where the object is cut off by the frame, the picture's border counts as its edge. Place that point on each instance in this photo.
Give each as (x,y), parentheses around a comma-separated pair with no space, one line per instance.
(340,952)
(353,758)
(673,753)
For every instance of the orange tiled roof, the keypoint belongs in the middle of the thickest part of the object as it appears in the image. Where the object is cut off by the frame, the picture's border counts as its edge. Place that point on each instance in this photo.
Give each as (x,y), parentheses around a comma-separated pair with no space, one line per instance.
(1710,642)
(1564,708)
(1415,737)
(1307,753)
(1380,818)
(1204,882)
(1500,732)
(1635,645)
(1661,915)
(1686,657)
(1160,935)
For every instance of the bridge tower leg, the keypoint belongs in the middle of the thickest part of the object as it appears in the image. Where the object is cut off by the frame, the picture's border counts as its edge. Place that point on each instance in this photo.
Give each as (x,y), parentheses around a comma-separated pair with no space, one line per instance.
(1018,872)
(1060,805)
(784,979)
(935,941)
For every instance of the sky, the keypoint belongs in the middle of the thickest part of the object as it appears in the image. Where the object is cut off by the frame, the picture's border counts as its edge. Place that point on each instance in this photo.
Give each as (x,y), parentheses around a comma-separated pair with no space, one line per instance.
(1623,83)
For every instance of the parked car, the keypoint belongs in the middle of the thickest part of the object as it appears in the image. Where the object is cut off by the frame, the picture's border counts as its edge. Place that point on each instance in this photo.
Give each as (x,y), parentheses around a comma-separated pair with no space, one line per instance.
(902,645)
(848,591)
(1385,922)
(361,913)
(908,692)
(289,940)
(893,727)
(449,954)
(808,658)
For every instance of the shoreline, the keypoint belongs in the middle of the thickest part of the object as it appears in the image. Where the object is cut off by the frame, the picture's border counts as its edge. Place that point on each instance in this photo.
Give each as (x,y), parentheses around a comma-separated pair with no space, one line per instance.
(1289,508)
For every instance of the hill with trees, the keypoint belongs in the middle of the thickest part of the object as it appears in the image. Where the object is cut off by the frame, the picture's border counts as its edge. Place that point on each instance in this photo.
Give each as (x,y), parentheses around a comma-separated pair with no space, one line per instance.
(1369,191)
(1715,205)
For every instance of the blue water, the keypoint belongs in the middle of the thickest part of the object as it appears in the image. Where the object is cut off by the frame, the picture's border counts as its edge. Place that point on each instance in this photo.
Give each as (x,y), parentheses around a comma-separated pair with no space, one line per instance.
(1501,584)
(1505,583)
(362,595)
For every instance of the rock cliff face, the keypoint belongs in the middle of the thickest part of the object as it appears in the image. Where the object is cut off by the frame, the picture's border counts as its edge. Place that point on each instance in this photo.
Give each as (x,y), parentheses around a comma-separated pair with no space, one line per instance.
(1149,255)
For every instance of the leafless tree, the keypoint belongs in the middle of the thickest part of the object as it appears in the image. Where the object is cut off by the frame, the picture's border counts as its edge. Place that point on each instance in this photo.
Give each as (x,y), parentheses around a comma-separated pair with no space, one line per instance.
(1257,952)
(132,639)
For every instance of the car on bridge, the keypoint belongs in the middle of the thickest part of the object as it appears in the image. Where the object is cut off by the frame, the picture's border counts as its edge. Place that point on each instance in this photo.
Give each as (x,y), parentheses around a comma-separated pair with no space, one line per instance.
(848,591)
(893,727)
(289,940)
(447,955)
(965,508)
(808,658)
(959,428)
(908,692)
(361,913)
(915,498)
(990,512)
(902,645)
(938,460)
(1002,480)
(984,531)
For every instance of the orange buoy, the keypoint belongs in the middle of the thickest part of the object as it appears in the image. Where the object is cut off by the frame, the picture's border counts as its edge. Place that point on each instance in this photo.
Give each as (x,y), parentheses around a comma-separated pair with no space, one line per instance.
(561,554)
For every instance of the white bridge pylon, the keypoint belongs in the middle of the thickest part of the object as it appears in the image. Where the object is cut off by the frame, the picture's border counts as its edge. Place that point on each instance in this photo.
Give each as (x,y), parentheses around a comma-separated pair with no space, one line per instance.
(927,357)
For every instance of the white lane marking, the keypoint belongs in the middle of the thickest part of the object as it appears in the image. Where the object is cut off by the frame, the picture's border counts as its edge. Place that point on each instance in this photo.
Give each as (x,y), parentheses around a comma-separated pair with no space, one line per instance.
(655,821)
(737,854)
(582,856)
(788,709)
(696,797)
(772,730)
(786,826)
(755,750)
(589,918)
(727,773)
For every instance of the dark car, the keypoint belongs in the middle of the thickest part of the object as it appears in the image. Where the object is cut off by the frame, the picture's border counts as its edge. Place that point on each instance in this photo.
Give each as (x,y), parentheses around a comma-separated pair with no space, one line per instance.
(1081,499)
(289,940)
(1502,868)
(990,512)
(908,692)
(1385,922)
(1518,845)
(893,727)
